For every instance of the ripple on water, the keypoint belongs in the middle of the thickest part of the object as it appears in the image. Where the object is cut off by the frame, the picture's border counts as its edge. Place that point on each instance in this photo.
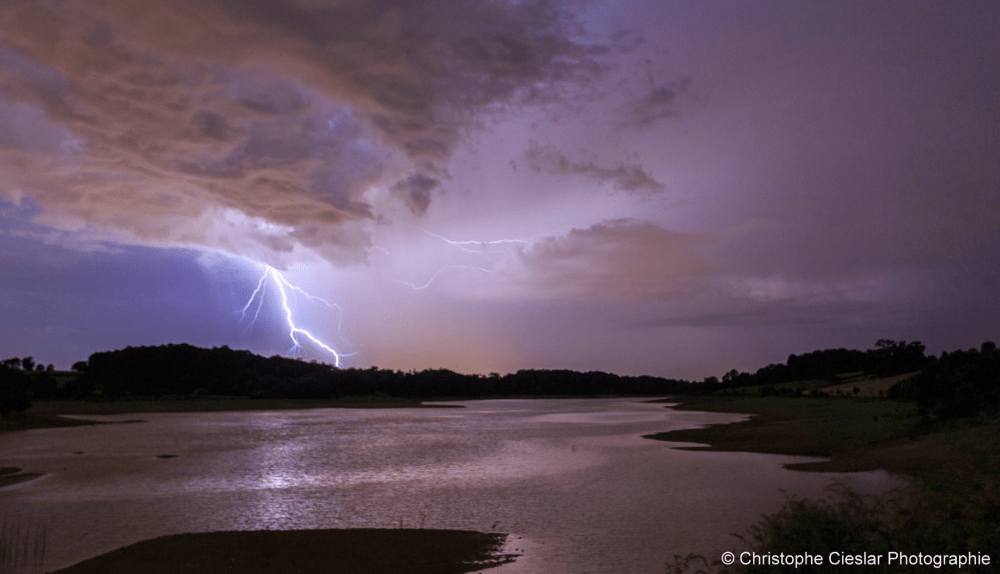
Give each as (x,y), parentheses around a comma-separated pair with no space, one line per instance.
(571,479)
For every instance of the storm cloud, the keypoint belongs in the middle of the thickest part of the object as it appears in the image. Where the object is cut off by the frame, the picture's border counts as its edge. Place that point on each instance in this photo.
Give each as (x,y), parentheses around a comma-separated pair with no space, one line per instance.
(502,184)
(148,119)
(626,177)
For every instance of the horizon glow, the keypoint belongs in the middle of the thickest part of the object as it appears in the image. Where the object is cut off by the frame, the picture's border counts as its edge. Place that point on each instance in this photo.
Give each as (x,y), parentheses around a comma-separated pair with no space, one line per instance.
(637,187)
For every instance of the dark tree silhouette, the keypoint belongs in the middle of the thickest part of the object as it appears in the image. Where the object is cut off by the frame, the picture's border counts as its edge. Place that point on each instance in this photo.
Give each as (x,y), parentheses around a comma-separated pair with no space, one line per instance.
(184,370)
(958,384)
(13,390)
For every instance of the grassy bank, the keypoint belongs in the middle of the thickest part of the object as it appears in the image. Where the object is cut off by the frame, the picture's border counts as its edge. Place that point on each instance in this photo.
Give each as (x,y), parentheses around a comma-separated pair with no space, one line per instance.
(856,434)
(952,505)
(305,551)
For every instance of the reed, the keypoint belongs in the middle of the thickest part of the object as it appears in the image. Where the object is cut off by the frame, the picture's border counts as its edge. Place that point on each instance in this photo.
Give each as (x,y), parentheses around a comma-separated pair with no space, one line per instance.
(22,545)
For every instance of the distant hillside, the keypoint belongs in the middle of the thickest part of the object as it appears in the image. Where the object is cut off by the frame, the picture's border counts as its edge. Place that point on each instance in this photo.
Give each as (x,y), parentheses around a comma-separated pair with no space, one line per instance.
(185,370)
(825,367)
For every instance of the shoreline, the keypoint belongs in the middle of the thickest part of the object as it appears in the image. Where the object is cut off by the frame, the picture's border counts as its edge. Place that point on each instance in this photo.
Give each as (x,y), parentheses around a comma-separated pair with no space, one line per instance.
(854,434)
(11,475)
(57,414)
(401,551)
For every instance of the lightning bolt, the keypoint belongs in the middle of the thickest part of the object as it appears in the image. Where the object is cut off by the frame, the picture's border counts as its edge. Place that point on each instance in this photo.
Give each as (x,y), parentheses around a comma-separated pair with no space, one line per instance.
(481,248)
(433,277)
(275,277)
(462,244)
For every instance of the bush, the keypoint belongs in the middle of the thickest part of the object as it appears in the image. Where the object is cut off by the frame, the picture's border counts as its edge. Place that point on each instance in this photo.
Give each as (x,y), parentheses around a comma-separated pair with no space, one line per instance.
(846,522)
(958,384)
(14,386)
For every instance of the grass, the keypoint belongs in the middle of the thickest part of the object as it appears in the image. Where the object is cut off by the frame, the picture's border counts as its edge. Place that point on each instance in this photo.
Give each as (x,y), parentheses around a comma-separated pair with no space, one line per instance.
(952,505)
(346,551)
(843,384)
(855,433)
(22,545)
(867,387)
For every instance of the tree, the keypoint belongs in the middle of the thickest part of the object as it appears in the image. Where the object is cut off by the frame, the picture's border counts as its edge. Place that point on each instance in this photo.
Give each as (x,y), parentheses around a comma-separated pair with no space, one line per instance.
(43,385)
(895,357)
(959,384)
(13,390)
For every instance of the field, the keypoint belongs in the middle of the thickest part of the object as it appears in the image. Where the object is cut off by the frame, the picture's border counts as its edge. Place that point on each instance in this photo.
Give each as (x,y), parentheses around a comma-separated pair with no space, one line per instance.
(952,504)
(856,433)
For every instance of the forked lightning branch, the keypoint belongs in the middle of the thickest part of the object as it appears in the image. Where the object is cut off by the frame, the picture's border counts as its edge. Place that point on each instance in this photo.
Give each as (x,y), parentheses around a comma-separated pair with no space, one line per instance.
(296,333)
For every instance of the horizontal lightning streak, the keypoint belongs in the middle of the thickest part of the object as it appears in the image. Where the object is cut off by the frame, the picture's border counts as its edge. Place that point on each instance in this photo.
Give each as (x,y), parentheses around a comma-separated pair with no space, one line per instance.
(435,276)
(461,244)
(464,246)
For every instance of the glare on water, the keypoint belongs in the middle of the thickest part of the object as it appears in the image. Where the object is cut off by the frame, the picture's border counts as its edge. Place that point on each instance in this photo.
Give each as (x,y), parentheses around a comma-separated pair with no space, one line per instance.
(572,480)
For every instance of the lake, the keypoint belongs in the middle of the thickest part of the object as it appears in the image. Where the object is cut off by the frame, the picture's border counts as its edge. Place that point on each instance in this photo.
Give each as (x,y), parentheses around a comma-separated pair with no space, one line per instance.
(571,479)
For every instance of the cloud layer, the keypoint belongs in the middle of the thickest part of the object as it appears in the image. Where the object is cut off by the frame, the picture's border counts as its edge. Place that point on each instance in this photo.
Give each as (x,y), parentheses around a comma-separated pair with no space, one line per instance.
(503,184)
(152,119)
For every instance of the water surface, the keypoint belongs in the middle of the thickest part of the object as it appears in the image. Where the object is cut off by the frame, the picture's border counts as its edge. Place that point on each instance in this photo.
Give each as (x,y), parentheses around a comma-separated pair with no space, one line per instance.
(571,479)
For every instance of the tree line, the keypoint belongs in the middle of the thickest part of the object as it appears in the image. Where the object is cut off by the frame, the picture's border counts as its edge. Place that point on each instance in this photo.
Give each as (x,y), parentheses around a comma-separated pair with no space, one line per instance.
(956,384)
(888,358)
(22,379)
(182,370)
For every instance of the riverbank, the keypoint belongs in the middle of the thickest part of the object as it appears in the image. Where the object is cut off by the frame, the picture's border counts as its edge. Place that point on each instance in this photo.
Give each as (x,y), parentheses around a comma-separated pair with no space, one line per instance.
(50,414)
(855,433)
(950,507)
(10,475)
(399,551)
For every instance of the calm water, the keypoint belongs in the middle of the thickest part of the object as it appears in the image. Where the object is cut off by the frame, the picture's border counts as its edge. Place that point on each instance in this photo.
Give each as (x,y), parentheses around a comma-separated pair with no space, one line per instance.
(572,480)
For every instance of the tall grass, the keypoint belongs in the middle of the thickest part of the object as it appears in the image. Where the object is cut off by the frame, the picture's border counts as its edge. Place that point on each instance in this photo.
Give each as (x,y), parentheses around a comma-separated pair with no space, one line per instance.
(22,546)
(922,519)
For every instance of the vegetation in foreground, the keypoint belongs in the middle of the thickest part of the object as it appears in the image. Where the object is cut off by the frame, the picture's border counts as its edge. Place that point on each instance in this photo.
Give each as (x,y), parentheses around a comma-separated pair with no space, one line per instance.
(951,507)
(348,551)
(22,544)
(941,428)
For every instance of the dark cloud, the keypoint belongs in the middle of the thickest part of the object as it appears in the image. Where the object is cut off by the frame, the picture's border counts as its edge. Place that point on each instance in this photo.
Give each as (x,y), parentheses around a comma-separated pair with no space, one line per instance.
(622,259)
(658,101)
(212,125)
(630,178)
(730,313)
(415,191)
(284,111)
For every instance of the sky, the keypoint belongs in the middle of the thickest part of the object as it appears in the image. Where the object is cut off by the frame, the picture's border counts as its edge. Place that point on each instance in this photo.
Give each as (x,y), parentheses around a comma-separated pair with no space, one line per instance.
(639,187)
